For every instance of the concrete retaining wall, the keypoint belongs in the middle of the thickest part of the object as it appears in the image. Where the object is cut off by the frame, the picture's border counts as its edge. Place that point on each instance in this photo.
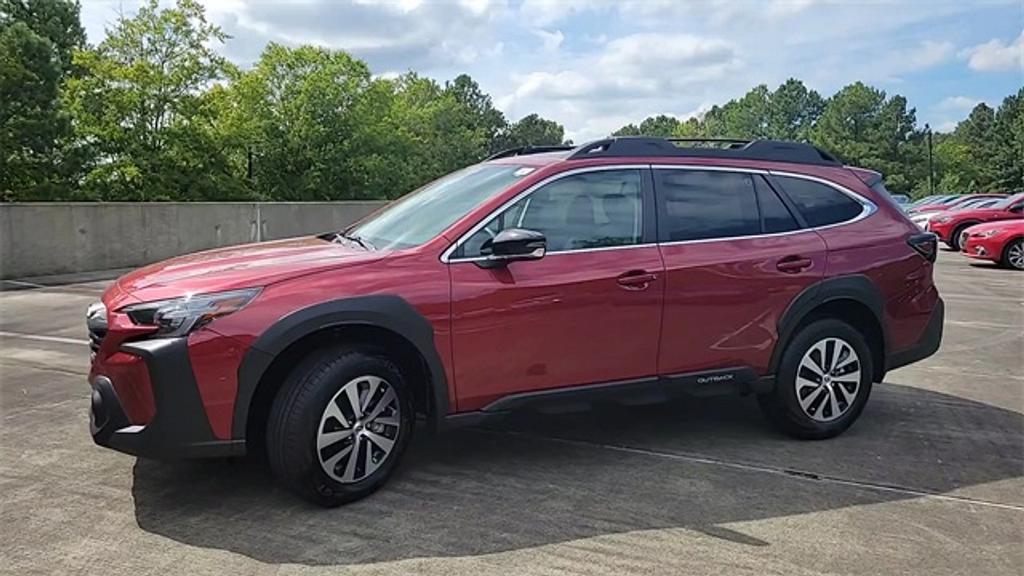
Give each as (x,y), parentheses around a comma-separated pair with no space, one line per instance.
(43,238)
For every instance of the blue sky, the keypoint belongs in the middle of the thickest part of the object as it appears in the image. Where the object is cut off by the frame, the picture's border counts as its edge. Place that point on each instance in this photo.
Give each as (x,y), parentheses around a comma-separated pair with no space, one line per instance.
(594,66)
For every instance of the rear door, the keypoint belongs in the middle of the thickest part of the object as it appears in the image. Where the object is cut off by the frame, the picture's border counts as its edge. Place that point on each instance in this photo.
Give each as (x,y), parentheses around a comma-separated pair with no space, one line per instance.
(588,312)
(735,257)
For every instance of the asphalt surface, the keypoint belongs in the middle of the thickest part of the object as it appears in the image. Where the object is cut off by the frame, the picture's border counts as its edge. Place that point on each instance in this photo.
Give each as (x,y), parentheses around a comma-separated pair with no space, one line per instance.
(929,481)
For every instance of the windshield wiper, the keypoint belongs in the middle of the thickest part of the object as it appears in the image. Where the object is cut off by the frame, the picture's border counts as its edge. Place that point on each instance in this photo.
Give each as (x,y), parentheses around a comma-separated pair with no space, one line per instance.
(355,238)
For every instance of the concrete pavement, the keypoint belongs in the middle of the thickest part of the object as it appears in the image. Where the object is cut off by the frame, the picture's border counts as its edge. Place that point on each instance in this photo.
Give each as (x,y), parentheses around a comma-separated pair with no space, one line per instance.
(929,481)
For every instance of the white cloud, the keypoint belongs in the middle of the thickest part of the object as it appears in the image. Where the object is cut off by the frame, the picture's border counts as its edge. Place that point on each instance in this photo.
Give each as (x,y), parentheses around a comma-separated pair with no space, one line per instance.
(551,41)
(957,104)
(547,12)
(996,55)
(929,53)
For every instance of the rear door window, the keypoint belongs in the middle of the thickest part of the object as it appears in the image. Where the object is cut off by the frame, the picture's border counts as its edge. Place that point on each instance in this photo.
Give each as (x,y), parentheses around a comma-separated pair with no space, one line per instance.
(704,205)
(775,216)
(820,205)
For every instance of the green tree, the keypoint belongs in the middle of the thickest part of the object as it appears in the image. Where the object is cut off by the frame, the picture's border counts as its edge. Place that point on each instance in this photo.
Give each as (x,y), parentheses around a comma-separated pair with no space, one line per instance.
(793,111)
(145,105)
(533,130)
(1008,158)
(296,112)
(862,127)
(36,40)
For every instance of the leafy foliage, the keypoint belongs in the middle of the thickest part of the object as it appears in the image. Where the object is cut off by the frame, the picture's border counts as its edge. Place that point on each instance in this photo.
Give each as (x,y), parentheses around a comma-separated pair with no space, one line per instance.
(154,112)
(865,127)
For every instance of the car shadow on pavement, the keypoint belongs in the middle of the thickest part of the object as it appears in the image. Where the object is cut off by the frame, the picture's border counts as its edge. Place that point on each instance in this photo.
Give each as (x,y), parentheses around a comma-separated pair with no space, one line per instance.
(543,479)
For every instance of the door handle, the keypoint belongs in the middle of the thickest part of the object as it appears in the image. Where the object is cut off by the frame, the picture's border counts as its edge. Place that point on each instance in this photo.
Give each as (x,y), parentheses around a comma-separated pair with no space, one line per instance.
(793,264)
(636,279)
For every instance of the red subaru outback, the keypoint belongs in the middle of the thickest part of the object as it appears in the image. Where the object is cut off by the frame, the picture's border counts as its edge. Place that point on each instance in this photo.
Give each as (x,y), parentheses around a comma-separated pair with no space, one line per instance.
(629,267)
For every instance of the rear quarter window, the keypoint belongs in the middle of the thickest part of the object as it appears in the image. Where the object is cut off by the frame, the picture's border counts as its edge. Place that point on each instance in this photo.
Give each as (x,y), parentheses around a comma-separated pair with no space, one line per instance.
(820,205)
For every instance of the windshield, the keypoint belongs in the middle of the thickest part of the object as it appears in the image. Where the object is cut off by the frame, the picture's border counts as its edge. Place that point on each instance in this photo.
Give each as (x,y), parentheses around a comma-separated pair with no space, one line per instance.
(423,214)
(1007,202)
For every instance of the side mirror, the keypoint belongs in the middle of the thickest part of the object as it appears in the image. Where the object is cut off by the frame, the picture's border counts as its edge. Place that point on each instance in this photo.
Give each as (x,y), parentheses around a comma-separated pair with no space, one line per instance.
(513,244)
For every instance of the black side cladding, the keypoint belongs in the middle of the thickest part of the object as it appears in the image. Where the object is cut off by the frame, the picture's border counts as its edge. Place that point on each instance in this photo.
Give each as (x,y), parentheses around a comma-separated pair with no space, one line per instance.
(382,311)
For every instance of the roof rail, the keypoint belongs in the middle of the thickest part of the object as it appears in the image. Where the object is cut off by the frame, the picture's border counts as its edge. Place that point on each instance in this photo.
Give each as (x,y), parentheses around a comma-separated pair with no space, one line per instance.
(766,150)
(528,149)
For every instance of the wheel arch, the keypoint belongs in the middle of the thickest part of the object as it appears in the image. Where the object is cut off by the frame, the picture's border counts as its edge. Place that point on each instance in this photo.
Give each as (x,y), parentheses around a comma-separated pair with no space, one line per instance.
(853,299)
(386,322)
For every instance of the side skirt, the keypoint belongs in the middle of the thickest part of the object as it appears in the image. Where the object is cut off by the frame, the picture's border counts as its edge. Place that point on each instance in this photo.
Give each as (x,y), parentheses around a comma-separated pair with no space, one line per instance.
(642,391)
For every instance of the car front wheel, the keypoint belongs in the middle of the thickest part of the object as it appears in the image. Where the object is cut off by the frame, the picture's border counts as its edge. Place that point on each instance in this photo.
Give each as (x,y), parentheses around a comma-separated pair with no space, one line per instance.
(823,382)
(339,426)
(1014,255)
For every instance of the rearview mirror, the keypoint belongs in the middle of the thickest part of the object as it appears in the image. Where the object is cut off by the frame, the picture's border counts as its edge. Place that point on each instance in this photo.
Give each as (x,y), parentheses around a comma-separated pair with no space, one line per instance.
(513,244)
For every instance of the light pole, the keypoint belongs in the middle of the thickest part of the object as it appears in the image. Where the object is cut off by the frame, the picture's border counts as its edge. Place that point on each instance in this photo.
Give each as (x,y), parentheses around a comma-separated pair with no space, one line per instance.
(931,164)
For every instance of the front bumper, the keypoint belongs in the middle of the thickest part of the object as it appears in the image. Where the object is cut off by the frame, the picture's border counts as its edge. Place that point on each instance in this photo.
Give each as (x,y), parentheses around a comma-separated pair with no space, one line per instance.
(926,345)
(982,248)
(179,428)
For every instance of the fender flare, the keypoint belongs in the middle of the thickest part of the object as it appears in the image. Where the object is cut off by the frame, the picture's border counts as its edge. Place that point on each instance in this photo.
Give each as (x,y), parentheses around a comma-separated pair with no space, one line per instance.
(858,288)
(382,311)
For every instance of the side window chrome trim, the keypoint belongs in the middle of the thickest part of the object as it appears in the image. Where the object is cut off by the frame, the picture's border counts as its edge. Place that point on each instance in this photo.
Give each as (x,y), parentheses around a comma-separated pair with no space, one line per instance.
(869,207)
(446,256)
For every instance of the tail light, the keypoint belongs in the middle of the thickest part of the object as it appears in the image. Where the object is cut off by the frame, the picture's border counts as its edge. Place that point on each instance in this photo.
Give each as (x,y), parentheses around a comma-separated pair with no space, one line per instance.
(926,244)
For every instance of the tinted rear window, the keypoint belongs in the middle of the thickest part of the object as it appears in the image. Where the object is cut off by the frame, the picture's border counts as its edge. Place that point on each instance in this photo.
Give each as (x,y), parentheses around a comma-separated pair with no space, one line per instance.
(775,215)
(820,205)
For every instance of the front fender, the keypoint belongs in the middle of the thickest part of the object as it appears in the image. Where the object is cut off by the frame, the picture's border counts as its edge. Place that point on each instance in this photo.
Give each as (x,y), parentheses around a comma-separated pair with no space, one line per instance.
(389,312)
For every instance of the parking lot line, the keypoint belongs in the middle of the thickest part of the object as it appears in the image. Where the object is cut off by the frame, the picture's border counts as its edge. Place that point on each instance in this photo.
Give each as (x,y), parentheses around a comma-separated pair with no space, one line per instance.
(750,467)
(41,338)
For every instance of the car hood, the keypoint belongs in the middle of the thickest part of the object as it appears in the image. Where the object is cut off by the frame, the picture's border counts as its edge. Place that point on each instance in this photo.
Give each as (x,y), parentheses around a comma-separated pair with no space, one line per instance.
(234,267)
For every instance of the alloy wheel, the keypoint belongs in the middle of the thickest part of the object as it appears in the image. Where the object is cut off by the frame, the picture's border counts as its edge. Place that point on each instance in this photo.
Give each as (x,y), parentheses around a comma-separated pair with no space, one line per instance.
(358,429)
(1015,255)
(828,379)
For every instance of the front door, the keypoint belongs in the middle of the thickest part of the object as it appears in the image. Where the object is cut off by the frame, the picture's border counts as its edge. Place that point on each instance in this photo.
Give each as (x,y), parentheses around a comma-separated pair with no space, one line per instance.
(588,312)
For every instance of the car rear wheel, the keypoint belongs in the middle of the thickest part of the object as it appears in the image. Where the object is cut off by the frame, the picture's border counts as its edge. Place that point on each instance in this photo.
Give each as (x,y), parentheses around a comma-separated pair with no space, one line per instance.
(339,426)
(823,382)
(1013,256)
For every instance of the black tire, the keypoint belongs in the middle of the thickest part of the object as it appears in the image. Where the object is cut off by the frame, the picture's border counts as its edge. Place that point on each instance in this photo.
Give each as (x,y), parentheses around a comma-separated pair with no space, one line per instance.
(1006,261)
(782,407)
(295,418)
(954,237)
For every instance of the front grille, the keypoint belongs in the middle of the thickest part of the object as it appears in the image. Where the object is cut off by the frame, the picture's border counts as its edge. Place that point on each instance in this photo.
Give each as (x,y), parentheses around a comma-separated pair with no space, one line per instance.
(96,321)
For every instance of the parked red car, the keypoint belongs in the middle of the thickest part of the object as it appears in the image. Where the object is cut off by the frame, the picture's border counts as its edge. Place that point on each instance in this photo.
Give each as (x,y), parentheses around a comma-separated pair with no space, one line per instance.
(951,226)
(629,268)
(952,203)
(1000,242)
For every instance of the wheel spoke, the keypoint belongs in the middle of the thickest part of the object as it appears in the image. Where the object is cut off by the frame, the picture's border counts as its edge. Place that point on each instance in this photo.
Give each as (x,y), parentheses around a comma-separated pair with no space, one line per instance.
(382,442)
(371,390)
(807,373)
(368,465)
(390,420)
(332,462)
(352,393)
(385,401)
(334,412)
(817,356)
(325,439)
(830,354)
(806,403)
(840,388)
(350,467)
(832,403)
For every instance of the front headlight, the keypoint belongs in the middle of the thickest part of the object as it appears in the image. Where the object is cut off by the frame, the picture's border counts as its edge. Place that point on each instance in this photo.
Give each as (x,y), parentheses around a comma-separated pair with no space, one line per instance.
(989,233)
(943,219)
(179,316)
